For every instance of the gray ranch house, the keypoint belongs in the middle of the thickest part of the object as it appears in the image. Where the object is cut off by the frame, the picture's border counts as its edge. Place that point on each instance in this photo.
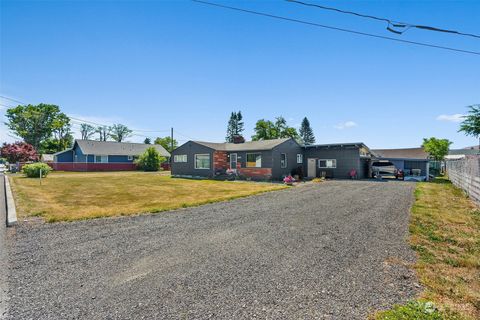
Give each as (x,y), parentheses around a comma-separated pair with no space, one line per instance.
(270,159)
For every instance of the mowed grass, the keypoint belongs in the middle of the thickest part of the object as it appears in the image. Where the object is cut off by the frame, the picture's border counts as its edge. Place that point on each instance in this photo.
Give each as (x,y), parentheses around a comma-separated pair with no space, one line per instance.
(77,196)
(445,232)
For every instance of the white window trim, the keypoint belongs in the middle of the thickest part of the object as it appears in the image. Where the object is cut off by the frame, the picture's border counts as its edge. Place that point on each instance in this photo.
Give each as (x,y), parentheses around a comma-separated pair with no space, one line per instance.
(283,164)
(130,158)
(100,155)
(202,154)
(246,160)
(334,167)
(180,158)
(299,157)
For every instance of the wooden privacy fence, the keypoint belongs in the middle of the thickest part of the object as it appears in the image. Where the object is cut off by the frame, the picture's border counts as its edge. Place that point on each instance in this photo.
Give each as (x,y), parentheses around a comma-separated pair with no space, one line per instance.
(465,174)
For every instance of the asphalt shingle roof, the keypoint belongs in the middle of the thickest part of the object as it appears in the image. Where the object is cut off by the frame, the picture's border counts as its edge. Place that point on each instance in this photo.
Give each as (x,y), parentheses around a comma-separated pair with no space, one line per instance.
(246,146)
(117,148)
(406,153)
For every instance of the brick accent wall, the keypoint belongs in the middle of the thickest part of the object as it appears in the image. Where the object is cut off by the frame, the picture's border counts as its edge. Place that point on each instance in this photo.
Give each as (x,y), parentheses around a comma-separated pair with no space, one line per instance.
(261,173)
(220,160)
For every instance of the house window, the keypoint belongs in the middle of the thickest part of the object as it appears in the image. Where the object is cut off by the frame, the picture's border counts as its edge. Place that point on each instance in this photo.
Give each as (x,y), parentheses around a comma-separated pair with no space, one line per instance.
(299,158)
(180,158)
(130,158)
(101,159)
(327,163)
(202,161)
(283,160)
(254,160)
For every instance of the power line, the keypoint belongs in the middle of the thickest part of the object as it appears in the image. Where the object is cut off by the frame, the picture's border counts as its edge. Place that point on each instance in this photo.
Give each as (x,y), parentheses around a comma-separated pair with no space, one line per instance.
(393,23)
(335,28)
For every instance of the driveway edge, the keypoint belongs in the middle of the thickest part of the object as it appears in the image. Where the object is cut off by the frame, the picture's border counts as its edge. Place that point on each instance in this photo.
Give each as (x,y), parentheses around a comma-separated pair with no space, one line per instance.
(11,210)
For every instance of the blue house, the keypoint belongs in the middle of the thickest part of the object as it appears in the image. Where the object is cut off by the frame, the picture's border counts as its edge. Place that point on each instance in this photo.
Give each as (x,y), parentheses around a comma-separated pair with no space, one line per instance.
(90,155)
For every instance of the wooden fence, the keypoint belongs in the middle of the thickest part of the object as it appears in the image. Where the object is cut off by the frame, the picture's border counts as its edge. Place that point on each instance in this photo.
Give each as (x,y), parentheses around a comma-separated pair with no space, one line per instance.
(465,174)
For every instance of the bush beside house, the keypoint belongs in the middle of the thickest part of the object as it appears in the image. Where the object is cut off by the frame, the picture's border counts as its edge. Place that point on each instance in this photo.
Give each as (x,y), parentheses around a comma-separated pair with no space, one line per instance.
(150,160)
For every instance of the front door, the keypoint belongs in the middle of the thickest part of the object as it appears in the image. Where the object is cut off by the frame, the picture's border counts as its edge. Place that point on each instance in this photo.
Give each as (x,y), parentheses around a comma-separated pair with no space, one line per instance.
(233,161)
(312,168)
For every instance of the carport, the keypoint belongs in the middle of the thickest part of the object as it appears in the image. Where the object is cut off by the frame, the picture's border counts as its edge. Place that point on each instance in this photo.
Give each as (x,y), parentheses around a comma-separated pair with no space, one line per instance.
(413,161)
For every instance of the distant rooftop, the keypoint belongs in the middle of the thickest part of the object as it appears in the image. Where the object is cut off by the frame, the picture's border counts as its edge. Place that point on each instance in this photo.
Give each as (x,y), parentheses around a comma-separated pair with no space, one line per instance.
(118,148)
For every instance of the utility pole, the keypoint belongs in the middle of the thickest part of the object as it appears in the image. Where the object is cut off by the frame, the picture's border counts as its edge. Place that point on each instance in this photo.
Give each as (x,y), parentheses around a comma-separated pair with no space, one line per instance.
(171,138)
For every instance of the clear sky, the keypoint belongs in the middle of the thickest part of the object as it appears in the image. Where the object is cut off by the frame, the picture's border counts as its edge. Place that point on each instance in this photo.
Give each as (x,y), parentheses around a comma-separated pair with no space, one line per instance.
(156,64)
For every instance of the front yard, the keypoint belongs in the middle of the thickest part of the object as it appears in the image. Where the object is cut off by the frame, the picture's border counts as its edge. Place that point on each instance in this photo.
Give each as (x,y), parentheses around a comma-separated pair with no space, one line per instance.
(445,232)
(76,196)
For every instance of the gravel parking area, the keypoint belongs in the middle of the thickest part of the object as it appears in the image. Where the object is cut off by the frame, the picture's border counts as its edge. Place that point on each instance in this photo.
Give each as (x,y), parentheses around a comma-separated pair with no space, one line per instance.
(335,250)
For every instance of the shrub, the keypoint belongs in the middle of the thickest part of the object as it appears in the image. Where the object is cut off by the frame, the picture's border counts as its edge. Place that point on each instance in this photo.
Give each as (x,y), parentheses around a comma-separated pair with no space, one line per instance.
(150,160)
(33,170)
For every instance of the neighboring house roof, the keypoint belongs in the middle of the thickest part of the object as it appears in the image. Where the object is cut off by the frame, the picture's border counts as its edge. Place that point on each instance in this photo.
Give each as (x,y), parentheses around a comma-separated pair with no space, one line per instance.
(463,151)
(117,148)
(473,147)
(406,153)
(333,145)
(246,146)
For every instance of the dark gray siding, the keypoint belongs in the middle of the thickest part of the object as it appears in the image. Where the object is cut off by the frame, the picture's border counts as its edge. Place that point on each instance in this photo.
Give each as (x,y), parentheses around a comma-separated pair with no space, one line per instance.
(364,168)
(242,158)
(412,164)
(291,149)
(191,148)
(348,158)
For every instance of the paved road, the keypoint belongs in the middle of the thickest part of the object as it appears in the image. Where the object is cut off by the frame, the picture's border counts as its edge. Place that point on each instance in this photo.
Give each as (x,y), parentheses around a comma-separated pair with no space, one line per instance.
(3,249)
(330,251)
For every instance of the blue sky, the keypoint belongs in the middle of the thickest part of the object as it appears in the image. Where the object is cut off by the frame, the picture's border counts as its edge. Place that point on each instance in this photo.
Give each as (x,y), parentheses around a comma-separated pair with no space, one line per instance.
(154,64)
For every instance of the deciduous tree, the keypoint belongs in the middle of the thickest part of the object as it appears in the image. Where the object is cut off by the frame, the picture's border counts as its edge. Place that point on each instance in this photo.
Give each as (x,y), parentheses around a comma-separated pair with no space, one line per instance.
(120,132)
(436,148)
(18,152)
(471,125)
(35,123)
(87,131)
(166,142)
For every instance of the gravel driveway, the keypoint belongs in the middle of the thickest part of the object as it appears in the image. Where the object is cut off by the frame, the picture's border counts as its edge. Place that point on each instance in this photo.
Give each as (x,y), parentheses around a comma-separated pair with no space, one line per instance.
(334,250)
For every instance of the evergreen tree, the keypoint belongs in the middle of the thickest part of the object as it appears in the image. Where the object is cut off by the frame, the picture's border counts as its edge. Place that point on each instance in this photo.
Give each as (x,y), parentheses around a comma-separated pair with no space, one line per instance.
(235,126)
(306,132)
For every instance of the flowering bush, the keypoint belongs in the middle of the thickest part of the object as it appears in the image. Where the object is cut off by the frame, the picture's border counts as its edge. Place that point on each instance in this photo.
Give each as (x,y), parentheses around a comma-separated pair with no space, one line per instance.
(288,179)
(18,152)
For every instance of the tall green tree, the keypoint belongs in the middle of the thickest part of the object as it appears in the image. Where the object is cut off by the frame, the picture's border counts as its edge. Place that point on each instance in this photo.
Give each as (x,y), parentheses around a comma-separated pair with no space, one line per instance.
(436,148)
(103,132)
(264,130)
(306,132)
(471,125)
(87,131)
(119,132)
(166,143)
(235,126)
(34,123)
(147,140)
(267,130)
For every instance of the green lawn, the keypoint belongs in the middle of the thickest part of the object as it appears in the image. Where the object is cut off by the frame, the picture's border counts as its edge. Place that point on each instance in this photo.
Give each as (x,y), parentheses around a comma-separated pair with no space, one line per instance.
(76,196)
(445,232)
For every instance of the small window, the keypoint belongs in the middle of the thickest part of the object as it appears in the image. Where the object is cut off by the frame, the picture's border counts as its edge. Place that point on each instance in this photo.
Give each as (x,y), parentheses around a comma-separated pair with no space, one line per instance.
(180,158)
(101,159)
(202,161)
(299,158)
(327,163)
(283,160)
(130,158)
(254,160)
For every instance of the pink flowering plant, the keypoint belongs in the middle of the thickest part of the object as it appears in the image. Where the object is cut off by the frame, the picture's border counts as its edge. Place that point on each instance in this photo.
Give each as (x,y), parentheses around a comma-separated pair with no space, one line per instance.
(288,179)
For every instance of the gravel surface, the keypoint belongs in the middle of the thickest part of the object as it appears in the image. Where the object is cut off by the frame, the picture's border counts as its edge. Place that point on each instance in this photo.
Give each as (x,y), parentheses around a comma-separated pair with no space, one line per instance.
(335,250)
